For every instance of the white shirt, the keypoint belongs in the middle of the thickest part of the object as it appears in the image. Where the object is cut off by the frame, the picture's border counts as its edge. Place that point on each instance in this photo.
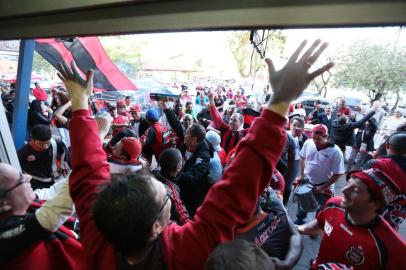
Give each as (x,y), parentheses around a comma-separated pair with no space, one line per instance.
(321,165)
(390,126)
(136,128)
(378,116)
(297,146)
(123,168)
(299,111)
(215,169)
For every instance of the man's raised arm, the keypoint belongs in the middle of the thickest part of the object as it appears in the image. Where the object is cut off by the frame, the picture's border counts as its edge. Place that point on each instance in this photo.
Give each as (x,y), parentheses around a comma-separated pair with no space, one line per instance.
(215,115)
(232,200)
(89,161)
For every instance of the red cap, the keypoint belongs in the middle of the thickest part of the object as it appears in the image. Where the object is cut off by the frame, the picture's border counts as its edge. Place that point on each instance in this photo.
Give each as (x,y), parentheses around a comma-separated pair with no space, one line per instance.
(380,184)
(120,103)
(320,129)
(40,94)
(135,108)
(132,146)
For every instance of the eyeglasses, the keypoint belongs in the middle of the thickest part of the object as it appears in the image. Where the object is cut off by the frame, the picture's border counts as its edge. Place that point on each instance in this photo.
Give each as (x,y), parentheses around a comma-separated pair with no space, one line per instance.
(168,196)
(21,181)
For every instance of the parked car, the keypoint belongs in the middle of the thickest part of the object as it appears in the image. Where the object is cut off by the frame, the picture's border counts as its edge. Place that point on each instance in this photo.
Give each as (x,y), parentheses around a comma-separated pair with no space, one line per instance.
(139,96)
(308,102)
(356,107)
(310,94)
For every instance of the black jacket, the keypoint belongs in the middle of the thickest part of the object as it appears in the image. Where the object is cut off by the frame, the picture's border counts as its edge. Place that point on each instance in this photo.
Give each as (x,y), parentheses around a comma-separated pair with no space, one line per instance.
(193,180)
(35,115)
(204,117)
(142,128)
(366,135)
(344,134)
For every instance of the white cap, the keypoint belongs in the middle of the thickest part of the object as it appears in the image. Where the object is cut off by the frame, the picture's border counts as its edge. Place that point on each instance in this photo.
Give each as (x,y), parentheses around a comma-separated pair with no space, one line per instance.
(214,139)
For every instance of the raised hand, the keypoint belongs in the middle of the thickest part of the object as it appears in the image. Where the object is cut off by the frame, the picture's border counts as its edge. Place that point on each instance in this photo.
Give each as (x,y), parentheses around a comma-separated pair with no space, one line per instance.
(279,264)
(103,121)
(289,82)
(210,95)
(79,88)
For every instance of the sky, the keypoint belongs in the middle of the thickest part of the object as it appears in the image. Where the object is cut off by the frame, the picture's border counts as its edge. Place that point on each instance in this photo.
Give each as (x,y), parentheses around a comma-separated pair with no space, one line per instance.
(213,47)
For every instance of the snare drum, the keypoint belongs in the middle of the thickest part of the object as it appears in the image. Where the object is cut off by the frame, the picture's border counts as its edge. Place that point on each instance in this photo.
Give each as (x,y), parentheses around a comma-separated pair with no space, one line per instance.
(306,199)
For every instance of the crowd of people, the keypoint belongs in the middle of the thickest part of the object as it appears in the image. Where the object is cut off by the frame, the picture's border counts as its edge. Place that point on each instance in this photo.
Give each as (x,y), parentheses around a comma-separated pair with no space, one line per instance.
(179,188)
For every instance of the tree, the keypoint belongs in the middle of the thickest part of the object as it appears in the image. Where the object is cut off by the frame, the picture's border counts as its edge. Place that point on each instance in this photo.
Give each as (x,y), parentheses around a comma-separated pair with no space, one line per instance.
(42,66)
(247,60)
(124,52)
(377,70)
(321,83)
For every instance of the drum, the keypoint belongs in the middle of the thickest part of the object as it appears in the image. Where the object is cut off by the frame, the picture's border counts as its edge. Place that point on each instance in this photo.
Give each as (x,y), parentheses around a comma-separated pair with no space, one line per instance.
(306,199)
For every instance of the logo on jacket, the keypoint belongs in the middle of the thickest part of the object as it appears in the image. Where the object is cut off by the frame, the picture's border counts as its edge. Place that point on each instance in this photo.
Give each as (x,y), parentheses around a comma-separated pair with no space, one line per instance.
(327,228)
(31,158)
(198,160)
(355,256)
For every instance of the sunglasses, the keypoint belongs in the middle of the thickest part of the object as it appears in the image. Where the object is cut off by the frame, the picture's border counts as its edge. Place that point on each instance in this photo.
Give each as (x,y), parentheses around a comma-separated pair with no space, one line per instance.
(21,181)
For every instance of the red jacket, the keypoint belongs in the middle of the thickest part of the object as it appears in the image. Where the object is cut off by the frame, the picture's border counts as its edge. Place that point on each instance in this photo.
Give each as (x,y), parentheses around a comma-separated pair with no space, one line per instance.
(229,139)
(34,247)
(187,246)
(223,157)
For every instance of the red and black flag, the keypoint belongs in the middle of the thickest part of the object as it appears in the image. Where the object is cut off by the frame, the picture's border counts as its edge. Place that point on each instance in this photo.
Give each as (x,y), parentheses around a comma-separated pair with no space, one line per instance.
(88,53)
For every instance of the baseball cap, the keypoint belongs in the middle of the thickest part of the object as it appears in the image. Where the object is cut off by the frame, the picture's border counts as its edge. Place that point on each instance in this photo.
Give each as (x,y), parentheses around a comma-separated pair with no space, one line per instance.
(111,107)
(120,103)
(135,108)
(132,146)
(320,129)
(40,95)
(214,139)
(380,184)
(152,115)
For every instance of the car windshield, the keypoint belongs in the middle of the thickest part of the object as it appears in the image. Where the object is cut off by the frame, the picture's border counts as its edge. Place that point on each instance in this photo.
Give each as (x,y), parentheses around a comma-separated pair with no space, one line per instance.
(352,101)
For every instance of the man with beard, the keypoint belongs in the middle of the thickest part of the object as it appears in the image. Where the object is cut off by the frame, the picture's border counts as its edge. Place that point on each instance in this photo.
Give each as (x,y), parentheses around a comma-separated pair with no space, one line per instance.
(354,233)
(35,239)
(230,133)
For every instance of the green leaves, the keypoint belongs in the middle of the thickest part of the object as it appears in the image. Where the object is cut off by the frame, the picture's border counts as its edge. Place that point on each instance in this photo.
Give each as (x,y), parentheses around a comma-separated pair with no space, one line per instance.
(247,60)
(376,69)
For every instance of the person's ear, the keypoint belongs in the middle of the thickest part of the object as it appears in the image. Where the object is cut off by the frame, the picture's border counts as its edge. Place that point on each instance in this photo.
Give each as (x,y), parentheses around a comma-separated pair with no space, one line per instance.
(377,205)
(5,205)
(155,230)
(179,166)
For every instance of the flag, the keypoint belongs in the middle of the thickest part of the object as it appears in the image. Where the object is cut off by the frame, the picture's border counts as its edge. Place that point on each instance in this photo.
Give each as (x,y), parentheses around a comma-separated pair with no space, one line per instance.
(88,53)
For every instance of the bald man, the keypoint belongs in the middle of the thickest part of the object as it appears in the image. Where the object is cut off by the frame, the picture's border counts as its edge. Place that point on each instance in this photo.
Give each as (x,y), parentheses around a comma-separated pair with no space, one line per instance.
(28,239)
